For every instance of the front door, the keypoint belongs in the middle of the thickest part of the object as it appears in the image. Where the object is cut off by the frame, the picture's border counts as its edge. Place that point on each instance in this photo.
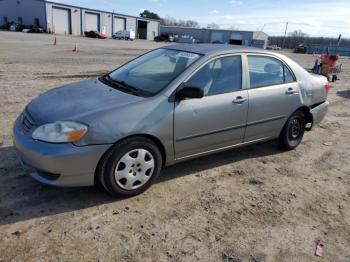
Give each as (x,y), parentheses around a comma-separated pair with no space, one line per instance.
(219,118)
(273,97)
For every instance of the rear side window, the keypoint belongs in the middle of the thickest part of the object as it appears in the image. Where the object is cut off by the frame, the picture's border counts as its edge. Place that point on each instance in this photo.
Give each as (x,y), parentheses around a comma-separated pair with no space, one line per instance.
(219,76)
(266,71)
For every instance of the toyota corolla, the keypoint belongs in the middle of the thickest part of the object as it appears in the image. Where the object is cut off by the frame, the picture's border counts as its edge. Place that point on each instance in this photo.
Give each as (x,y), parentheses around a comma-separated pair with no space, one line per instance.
(169,105)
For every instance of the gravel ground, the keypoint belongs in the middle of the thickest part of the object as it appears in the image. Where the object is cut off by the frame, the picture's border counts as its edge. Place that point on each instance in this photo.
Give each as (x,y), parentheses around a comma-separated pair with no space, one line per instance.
(256,203)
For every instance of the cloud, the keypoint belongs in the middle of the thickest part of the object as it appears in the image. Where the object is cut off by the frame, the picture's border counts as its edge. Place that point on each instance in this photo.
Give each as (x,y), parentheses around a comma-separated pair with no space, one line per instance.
(235,2)
(227,17)
(159,2)
(214,12)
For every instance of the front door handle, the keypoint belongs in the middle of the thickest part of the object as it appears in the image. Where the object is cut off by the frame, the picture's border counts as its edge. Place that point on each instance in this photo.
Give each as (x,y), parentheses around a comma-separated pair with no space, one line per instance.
(291,91)
(239,100)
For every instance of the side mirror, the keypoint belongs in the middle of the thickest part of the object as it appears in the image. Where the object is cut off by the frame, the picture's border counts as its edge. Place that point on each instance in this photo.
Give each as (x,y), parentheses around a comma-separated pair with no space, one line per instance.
(190,92)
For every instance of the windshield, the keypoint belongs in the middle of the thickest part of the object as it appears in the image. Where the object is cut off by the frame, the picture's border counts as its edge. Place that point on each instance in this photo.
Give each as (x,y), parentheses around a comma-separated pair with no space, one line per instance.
(153,71)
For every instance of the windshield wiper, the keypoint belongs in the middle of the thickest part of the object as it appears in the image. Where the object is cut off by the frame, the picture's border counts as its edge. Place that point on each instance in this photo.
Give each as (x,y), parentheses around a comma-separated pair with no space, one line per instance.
(120,85)
(109,80)
(125,87)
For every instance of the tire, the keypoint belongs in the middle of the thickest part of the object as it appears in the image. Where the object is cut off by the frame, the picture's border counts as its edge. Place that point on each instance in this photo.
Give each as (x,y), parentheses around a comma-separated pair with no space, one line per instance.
(293,131)
(130,167)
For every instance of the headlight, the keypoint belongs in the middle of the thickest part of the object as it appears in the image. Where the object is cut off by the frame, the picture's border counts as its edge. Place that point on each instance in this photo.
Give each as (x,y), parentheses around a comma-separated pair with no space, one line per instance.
(60,132)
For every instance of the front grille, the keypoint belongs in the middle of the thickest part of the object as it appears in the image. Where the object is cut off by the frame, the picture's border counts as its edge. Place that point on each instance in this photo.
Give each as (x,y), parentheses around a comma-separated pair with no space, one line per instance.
(27,121)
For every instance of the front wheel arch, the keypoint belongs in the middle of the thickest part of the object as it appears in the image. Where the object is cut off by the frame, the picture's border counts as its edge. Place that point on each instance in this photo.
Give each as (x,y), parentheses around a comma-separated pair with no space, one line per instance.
(155,140)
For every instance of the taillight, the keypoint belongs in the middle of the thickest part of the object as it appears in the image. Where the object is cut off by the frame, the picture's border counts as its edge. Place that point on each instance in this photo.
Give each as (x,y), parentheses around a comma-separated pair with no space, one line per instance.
(327,87)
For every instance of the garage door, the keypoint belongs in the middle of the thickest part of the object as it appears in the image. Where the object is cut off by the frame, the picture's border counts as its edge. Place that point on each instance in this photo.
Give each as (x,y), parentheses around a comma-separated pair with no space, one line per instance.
(119,24)
(217,37)
(92,22)
(61,20)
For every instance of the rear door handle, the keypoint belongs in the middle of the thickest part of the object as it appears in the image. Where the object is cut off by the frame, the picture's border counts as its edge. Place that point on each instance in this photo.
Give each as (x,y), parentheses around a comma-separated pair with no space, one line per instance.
(239,100)
(291,91)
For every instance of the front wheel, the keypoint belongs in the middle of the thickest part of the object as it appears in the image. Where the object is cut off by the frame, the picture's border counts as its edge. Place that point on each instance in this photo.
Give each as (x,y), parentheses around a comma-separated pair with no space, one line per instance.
(293,131)
(130,167)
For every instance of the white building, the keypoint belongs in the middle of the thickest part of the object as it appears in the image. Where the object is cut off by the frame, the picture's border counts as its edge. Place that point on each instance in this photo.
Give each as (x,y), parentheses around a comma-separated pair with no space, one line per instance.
(67,19)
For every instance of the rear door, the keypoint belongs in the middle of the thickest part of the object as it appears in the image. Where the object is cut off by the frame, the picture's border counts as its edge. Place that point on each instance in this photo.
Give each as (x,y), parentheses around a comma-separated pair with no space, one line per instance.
(273,96)
(219,118)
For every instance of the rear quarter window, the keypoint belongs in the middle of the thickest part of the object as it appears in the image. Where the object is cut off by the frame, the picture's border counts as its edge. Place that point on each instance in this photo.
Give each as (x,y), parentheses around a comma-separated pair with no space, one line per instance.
(288,76)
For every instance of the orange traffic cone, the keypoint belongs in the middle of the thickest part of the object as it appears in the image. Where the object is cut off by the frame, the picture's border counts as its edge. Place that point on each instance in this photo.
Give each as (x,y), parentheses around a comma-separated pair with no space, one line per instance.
(55,41)
(76,48)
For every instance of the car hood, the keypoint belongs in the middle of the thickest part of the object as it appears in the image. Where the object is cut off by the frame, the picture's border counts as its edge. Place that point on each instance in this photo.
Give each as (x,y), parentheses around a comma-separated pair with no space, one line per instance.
(77,100)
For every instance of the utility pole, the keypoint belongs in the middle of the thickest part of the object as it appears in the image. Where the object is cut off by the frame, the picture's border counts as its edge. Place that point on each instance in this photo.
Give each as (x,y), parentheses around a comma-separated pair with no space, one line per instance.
(285,33)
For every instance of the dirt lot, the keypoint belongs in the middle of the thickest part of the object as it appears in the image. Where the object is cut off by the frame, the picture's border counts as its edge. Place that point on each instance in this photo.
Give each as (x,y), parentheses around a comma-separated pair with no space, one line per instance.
(252,204)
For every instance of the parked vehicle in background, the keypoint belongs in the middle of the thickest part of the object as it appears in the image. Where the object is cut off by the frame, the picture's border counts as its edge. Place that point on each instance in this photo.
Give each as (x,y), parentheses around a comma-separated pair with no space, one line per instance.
(273,47)
(172,104)
(162,38)
(35,29)
(124,35)
(171,38)
(185,39)
(302,49)
(95,34)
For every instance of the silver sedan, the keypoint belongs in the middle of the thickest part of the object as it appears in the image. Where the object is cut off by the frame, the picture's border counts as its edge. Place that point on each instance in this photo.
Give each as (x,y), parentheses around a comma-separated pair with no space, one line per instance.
(168,105)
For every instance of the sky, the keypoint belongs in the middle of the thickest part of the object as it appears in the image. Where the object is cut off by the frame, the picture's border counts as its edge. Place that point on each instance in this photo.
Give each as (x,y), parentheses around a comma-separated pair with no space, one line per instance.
(314,17)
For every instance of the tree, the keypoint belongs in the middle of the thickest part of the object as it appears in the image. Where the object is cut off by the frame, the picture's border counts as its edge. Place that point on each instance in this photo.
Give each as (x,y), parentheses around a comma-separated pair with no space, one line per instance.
(171,21)
(298,33)
(213,26)
(150,15)
(191,23)
(232,27)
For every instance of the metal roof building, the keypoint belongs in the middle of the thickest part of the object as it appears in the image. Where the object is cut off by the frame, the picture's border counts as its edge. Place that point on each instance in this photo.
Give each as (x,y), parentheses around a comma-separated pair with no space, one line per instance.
(68,19)
(204,35)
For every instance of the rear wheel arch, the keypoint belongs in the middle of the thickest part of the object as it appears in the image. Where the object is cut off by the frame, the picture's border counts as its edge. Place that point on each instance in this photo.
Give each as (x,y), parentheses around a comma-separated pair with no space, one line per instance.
(307,114)
(293,130)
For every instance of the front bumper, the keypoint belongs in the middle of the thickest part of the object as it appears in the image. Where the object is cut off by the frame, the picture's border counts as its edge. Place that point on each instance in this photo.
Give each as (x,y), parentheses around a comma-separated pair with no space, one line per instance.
(57,164)
(319,112)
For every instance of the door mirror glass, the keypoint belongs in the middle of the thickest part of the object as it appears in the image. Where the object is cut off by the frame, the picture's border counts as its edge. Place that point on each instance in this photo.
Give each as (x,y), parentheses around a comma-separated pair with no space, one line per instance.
(190,92)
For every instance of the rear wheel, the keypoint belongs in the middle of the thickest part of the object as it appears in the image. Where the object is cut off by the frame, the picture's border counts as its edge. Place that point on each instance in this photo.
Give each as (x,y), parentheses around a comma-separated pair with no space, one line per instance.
(130,167)
(293,131)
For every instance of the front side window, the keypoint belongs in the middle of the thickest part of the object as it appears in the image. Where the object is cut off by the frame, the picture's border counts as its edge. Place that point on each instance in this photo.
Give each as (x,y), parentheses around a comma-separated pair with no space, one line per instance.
(219,76)
(266,71)
(153,71)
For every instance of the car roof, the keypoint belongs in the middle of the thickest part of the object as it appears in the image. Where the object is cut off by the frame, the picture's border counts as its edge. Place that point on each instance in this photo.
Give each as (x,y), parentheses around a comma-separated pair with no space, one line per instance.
(216,49)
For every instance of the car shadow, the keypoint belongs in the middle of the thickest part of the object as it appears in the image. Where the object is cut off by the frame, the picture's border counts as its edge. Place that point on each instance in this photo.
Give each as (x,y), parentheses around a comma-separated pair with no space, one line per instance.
(344,93)
(22,198)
